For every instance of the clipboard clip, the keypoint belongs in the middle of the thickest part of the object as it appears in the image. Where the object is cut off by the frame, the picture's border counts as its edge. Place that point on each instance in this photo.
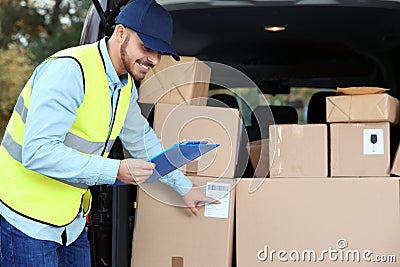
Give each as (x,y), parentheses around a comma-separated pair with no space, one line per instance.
(184,141)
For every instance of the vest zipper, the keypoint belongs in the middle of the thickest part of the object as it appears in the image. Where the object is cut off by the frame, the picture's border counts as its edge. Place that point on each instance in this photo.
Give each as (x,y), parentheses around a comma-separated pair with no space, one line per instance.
(111,124)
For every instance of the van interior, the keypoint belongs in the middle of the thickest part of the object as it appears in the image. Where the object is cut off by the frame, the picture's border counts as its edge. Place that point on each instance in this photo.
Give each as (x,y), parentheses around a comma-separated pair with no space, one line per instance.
(294,54)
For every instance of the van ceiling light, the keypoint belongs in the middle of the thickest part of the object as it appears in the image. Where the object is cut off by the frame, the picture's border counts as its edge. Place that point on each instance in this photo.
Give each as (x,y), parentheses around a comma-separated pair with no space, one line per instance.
(274,28)
(313,2)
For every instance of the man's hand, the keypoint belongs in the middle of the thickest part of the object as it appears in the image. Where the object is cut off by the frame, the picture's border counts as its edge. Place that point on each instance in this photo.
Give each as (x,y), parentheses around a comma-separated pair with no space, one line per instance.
(134,171)
(196,198)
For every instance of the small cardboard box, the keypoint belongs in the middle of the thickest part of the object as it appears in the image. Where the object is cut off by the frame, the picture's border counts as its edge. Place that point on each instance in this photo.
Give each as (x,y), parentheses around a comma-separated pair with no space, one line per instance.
(216,125)
(298,150)
(259,157)
(318,222)
(176,82)
(363,108)
(360,149)
(167,234)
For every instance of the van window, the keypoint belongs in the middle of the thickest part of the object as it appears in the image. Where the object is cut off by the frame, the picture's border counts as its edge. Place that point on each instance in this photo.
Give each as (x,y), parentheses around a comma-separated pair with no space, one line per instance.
(247,98)
(299,98)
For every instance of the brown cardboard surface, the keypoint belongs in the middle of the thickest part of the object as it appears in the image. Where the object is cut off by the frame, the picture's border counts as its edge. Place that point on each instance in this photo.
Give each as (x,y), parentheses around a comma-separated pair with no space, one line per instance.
(348,154)
(306,215)
(176,82)
(363,108)
(396,163)
(298,150)
(173,123)
(259,157)
(166,234)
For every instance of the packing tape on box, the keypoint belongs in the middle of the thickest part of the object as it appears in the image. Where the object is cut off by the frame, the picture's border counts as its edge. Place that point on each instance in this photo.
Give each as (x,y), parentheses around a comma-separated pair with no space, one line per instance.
(192,167)
(190,67)
(172,87)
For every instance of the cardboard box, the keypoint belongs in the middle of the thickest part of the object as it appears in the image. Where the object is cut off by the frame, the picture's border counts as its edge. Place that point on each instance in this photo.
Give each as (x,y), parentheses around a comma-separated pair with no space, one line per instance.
(363,108)
(298,150)
(173,123)
(360,149)
(167,234)
(176,82)
(259,157)
(318,222)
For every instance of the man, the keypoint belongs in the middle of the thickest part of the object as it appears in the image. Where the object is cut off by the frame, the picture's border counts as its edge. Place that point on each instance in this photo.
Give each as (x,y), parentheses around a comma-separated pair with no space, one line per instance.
(76,103)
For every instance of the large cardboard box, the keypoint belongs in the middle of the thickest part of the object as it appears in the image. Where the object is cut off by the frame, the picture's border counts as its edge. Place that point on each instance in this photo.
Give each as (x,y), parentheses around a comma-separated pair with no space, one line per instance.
(360,149)
(318,222)
(176,82)
(166,234)
(216,125)
(363,108)
(298,150)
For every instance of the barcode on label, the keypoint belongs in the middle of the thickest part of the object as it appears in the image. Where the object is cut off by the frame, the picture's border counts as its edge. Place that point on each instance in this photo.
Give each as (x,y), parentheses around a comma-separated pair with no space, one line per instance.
(215,187)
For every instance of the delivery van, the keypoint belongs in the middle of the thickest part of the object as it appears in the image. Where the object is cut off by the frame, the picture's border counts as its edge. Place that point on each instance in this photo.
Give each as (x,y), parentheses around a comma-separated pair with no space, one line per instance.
(292,55)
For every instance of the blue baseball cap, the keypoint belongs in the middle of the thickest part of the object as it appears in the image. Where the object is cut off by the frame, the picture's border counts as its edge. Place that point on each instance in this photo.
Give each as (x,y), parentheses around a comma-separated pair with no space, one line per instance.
(151,22)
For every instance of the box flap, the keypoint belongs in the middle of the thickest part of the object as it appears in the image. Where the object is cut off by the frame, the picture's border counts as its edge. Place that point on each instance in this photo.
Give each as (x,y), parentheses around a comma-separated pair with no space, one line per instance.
(363,90)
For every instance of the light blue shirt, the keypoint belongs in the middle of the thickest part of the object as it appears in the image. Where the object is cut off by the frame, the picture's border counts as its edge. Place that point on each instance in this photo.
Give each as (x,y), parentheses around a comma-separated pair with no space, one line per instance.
(56,94)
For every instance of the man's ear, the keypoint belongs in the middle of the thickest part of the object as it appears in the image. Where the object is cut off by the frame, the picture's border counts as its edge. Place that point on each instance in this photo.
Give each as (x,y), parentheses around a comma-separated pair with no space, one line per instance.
(120,32)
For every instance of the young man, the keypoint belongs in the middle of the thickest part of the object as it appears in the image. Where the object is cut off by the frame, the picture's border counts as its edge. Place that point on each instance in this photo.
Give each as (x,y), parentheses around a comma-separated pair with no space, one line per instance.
(76,103)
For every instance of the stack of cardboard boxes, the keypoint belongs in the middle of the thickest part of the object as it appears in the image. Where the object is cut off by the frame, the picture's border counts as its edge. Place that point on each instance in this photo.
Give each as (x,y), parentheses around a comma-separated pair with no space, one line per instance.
(166,233)
(360,133)
(303,214)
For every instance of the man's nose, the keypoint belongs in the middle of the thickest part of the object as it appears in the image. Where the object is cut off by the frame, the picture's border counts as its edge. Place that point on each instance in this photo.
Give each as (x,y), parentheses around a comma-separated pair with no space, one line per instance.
(154,57)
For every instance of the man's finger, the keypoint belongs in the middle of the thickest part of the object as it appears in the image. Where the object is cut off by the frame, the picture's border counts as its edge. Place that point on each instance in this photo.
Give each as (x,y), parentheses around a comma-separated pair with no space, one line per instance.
(194,210)
(142,172)
(213,201)
(140,179)
(207,200)
(149,166)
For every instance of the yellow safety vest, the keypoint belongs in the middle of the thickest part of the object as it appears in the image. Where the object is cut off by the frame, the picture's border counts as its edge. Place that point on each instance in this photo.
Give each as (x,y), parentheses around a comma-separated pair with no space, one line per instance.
(45,199)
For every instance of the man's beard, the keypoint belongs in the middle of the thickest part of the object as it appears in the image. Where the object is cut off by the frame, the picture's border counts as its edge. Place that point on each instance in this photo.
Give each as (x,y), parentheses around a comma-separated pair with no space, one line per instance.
(126,62)
(129,66)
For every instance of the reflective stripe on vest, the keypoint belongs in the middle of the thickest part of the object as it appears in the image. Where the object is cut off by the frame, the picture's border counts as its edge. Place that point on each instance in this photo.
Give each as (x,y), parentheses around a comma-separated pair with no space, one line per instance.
(45,199)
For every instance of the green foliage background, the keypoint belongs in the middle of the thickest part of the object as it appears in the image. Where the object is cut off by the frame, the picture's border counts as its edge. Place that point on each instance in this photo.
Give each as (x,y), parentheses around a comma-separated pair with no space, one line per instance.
(31,30)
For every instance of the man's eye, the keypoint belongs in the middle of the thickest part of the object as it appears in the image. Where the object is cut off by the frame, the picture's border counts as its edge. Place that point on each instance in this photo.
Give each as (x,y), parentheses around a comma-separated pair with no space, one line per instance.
(151,50)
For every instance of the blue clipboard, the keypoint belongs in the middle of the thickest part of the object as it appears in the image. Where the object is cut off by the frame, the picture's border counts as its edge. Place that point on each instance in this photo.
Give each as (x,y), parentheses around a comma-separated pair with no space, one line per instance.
(175,157)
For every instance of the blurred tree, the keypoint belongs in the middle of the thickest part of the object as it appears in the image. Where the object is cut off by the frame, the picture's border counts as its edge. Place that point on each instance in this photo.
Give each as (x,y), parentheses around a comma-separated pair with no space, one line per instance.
(30,31)
(43,26)
(16,66)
